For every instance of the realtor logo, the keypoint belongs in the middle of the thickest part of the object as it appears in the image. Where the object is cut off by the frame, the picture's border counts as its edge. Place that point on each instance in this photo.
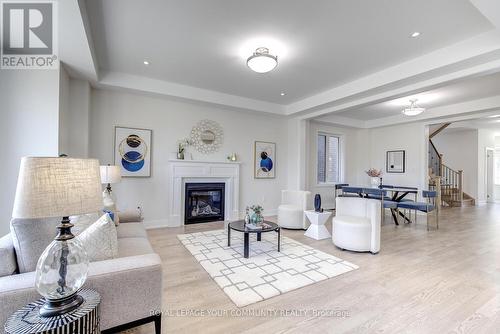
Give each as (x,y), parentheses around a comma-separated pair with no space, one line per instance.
(29,37)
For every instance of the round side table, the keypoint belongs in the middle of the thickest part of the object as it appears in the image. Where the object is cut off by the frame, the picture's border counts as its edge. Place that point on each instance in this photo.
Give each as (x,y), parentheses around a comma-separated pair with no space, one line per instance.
(83,320)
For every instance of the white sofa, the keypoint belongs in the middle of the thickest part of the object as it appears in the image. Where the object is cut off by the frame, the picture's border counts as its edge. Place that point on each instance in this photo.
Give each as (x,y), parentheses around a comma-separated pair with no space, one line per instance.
(130,285)
(291,211)
(356,225)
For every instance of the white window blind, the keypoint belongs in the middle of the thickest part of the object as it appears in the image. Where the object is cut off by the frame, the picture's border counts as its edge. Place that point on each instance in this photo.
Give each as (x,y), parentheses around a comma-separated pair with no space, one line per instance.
(328,159)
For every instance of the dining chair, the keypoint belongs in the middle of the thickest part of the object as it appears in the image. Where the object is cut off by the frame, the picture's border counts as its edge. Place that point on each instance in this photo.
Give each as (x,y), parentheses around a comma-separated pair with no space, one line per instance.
(338,188)
(427,207)
(387,203)
(351,191)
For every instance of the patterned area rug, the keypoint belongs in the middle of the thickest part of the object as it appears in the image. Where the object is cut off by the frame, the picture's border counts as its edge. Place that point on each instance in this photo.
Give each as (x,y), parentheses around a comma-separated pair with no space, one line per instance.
(267,272)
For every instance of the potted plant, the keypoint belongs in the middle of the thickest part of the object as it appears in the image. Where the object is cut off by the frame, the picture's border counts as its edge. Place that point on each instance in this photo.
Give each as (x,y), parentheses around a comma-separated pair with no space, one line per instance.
(181,147)
(256,217)
(375,175)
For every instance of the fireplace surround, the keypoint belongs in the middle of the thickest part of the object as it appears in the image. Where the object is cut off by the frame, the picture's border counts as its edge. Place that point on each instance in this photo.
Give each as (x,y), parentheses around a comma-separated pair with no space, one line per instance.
(197,171)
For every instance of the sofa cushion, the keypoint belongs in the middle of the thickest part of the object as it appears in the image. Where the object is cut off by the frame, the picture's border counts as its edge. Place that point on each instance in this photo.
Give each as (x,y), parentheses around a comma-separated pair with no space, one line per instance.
(100,239)
(8,264)
(131,230)
(133,246)
(30,238)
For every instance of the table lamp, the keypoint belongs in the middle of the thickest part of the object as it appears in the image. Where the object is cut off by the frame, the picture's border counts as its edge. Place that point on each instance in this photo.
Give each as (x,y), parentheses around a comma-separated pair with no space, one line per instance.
(59,187)
(109,175)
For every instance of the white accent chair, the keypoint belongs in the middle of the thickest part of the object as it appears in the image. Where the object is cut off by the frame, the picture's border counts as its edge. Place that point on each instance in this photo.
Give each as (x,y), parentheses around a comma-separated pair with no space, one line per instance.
(291,211)
(356,225)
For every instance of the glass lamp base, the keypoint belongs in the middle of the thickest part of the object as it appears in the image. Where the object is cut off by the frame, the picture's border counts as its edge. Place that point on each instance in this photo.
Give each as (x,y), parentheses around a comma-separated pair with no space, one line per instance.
(52,307)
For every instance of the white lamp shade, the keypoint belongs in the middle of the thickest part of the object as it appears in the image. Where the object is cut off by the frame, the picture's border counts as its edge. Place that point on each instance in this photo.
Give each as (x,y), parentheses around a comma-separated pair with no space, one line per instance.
(110,174)
(262,63)
(57,187)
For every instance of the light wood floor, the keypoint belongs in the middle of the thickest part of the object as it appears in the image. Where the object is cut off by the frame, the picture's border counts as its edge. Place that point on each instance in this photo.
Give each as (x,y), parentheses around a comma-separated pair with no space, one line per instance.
(441,281)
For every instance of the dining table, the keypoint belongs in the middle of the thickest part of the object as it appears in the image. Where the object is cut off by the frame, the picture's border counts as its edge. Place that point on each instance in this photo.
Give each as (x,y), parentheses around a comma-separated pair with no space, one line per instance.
(398,194)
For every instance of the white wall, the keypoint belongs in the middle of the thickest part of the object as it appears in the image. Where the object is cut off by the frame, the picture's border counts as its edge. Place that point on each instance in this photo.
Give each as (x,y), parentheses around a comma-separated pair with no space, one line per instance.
(409,137)
(29,111)
(172,120)
(460,152)
(64,111)
(74,116)
(486,139)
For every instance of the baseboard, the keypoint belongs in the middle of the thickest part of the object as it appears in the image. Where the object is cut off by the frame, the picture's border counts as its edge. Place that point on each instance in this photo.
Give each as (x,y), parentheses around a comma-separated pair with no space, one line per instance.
(162,223)
(158,223)
(267,213)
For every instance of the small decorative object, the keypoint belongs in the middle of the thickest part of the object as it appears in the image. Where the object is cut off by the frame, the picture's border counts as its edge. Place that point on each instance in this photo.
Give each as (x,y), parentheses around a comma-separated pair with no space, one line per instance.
(374,174)
(317,203)
(109,175)
(264,160)
(133,151)
(181,147)
(59,187)
(395,161)
(256,218)
(84,320)
(232,157)
(380,183)
(207,136)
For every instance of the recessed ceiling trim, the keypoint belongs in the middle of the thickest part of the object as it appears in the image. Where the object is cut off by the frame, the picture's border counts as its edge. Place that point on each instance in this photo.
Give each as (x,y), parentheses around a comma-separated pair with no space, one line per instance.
(143,84)
(454,54)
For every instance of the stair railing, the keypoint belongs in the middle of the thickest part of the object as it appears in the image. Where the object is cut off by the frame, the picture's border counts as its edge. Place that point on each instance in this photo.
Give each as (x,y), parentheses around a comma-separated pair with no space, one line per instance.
(435,160)
(452,183)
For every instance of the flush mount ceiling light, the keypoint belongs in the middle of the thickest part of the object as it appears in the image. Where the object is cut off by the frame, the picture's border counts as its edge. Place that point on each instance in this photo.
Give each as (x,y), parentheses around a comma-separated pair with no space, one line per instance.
(415,34)
(282,93)
(146,62)
(261,61)
(413,109)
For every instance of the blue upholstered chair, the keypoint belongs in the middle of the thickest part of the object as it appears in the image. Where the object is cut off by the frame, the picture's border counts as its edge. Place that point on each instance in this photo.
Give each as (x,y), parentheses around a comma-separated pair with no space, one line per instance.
(381,195)
(338,189)
(351,191)
(428,206)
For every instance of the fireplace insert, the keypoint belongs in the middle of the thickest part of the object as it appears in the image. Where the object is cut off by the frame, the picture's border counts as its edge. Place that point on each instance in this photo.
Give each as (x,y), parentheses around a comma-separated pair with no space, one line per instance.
(204,202)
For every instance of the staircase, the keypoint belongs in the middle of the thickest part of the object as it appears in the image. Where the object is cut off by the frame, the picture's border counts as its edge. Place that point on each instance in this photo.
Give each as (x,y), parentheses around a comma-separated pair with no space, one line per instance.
(449,181)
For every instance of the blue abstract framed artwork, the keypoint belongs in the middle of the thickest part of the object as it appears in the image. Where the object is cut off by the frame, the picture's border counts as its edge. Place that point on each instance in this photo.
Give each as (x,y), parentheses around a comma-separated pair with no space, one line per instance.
(264,160)
(133,151)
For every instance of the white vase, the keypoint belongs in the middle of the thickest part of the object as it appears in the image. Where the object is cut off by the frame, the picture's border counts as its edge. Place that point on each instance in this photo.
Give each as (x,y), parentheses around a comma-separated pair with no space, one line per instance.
(375,182)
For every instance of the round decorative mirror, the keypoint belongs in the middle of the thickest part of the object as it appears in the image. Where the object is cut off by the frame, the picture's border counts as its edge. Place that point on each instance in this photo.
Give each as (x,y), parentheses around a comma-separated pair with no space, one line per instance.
(207,136)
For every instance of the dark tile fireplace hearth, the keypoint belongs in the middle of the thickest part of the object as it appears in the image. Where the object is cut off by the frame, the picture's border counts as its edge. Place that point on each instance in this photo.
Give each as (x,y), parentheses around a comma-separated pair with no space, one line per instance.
(204,202)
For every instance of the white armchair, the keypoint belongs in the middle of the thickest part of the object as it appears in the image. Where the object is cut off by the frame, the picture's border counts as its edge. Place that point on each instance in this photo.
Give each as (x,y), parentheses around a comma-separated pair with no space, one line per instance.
(356,225)
(291,211)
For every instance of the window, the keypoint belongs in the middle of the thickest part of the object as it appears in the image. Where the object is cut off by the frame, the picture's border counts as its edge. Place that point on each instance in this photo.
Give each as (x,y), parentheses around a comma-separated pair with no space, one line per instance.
(328,159)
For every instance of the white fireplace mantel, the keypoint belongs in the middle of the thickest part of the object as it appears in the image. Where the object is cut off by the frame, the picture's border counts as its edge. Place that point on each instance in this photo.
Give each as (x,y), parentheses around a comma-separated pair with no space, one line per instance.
(197,171)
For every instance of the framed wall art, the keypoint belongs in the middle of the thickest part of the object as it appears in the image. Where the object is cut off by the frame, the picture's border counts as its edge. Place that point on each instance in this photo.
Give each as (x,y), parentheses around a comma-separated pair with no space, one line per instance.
(395,161)
(264,160)
(133,151)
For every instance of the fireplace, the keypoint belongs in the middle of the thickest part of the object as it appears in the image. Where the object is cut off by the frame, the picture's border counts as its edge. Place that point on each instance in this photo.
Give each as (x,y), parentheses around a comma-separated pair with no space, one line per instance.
(204,202)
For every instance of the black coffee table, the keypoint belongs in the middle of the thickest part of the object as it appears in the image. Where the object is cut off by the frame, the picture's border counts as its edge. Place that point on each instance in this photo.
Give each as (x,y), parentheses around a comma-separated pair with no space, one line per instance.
(239,226)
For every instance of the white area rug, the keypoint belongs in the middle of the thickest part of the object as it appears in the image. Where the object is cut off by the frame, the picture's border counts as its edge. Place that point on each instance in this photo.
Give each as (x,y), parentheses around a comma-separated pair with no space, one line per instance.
(267,272)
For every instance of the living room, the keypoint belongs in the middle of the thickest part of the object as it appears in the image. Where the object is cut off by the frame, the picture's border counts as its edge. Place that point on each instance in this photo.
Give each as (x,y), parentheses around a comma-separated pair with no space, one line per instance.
(174,135)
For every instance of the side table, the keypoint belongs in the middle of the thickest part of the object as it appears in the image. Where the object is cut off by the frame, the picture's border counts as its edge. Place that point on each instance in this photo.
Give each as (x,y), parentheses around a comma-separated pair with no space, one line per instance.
(317,230)
(83,320)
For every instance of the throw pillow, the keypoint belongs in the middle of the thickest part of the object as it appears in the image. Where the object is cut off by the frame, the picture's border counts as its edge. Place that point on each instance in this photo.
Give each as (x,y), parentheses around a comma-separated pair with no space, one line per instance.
(30,238)
(82,222)
(100,239)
